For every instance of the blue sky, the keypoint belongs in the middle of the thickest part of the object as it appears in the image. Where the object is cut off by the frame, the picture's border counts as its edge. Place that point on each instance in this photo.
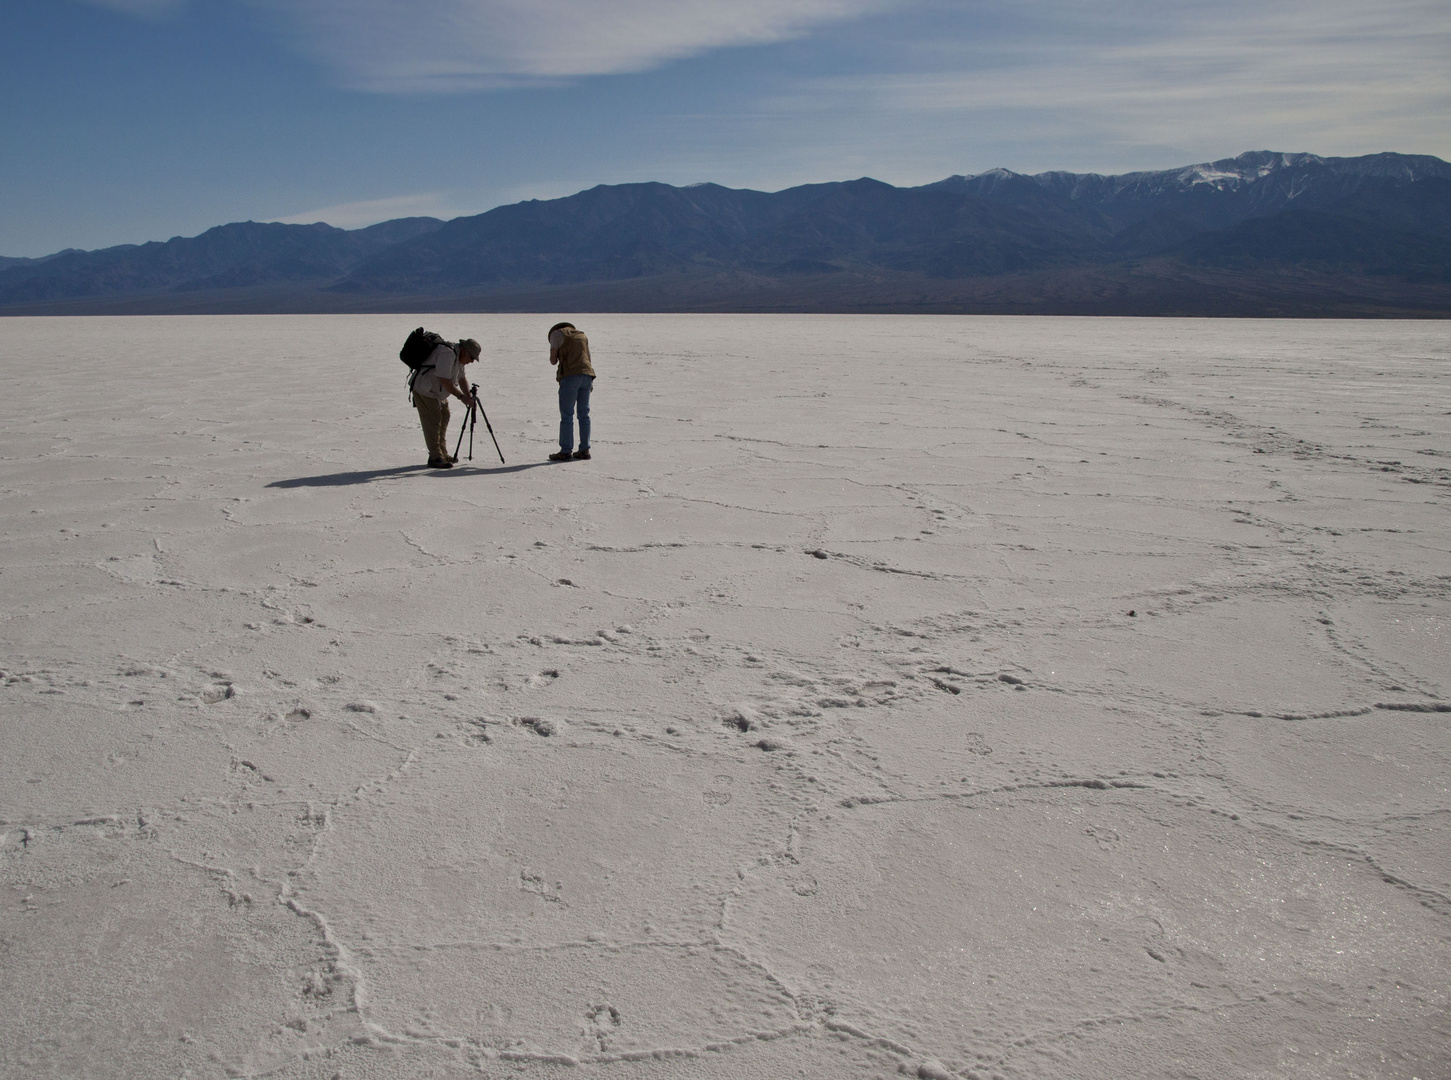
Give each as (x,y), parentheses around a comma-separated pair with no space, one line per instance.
(132,120)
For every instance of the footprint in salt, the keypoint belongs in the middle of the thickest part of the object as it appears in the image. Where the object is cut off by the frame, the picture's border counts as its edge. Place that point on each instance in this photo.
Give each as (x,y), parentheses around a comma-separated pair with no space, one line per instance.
(543,678)
(540,725)
(718,796)
(536,884)
(742,718)
(974,743)
(601,1024)
(879,690)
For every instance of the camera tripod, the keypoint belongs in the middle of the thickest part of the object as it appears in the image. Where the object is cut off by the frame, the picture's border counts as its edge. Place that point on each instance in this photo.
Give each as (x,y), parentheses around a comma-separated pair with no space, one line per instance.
(471,421)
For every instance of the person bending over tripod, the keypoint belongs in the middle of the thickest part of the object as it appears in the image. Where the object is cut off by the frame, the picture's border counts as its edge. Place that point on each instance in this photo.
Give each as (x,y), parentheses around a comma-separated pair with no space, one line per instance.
(441,375)
(569,352)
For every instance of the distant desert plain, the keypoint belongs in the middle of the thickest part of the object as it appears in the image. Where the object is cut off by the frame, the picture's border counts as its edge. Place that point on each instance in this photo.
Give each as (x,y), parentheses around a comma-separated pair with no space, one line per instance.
(890,695)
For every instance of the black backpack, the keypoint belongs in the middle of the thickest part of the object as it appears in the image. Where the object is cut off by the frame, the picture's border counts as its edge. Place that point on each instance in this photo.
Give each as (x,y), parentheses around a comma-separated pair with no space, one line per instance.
(418,348)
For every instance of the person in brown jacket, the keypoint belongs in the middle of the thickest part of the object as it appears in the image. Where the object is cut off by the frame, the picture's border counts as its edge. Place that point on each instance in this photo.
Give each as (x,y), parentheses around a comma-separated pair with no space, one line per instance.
(569,353)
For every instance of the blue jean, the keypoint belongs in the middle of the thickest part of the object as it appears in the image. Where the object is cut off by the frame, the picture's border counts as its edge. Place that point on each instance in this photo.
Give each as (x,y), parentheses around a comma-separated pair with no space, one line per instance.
(574,392)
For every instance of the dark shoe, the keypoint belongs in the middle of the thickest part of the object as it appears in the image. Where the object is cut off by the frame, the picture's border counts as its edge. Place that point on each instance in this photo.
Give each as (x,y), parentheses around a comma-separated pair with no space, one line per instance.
(440,463)
(563,455)
(582,454)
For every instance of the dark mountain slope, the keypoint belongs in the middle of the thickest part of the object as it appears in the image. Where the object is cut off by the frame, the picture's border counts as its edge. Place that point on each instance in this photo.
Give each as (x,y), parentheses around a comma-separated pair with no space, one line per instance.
(930,230)
(1311,239)
(387,233)
(642,230)
(1422,208)
(1029,194)
(1159,232)
(605,233)
(1386,227)
(6,263)
(229,256)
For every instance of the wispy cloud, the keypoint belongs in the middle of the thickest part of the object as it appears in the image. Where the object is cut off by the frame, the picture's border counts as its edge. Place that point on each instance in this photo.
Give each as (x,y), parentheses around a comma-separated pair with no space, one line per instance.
(458,45)
(356,215)
(141,7)
(1324,75)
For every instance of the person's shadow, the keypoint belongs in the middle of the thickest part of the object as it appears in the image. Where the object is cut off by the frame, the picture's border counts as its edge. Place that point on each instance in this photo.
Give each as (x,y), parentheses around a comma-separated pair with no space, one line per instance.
(344,479)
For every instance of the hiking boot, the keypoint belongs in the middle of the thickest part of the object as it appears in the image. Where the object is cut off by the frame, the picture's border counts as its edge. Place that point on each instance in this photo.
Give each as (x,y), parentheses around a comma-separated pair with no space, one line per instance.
(563,455)
(439,463)
(582,454)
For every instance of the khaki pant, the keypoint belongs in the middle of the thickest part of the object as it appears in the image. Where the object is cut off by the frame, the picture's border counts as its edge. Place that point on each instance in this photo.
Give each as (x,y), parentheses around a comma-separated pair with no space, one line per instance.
(433,415)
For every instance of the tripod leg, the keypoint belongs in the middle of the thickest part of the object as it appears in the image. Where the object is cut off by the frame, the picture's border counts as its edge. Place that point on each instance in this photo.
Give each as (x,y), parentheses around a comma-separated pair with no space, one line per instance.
(492,435)
(460,435)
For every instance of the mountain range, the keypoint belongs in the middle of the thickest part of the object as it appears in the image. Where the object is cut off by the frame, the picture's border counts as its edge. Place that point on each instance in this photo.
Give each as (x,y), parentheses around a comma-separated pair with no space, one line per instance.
(1264,233)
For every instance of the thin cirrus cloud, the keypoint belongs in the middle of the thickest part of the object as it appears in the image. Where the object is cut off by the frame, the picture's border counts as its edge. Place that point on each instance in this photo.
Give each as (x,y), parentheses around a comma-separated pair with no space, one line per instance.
(450,46)
(356,215)
(141,7)
(1336,76)
(460,45)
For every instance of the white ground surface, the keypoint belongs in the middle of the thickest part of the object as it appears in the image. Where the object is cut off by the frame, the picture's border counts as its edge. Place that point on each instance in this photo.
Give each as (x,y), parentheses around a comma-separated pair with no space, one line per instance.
(941,696)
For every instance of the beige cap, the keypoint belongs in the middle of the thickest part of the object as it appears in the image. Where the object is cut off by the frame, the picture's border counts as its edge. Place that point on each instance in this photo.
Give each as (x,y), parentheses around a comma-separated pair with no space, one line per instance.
(470,346)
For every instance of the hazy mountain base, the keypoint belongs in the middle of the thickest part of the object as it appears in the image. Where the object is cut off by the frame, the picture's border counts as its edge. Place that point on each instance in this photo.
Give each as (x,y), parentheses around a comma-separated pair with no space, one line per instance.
(1162,287)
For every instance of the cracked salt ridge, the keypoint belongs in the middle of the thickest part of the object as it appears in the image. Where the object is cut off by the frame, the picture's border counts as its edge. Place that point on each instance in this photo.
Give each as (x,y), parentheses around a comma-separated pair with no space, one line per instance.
(1092,783)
